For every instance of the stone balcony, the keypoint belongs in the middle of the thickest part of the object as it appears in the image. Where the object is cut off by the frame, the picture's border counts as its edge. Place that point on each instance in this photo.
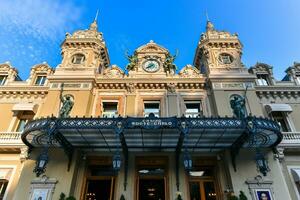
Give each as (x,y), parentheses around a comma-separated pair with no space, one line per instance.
(290,139)
(11,139)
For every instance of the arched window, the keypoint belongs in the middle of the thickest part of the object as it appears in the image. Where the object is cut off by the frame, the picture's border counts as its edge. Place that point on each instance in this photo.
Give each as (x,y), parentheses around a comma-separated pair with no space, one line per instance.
(78,58)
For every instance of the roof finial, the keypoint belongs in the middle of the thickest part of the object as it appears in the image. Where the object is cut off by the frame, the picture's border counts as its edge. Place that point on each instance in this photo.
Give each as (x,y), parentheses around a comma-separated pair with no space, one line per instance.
(96,17)
(209,25)
(207,18)
(94,25)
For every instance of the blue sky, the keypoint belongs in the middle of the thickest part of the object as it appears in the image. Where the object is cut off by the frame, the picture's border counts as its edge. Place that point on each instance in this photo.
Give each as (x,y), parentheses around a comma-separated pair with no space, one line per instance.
(31,31)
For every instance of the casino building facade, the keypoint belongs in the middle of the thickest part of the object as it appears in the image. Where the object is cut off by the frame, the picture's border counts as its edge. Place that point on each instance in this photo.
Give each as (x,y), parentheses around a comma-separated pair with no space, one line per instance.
(92,130)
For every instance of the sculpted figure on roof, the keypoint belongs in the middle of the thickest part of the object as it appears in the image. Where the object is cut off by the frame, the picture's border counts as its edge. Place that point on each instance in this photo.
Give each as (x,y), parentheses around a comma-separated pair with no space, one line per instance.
(169,65)
(133,61)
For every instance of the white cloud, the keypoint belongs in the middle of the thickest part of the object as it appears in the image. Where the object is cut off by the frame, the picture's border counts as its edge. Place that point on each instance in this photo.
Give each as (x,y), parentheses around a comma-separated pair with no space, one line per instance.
(41,19)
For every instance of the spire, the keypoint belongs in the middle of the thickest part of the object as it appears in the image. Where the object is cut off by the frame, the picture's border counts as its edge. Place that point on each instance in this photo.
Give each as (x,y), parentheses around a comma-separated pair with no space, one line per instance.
(209,25)
(94,25)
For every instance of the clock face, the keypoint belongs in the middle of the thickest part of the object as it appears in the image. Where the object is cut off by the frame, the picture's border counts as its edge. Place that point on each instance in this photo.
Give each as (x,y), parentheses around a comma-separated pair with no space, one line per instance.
(151,66)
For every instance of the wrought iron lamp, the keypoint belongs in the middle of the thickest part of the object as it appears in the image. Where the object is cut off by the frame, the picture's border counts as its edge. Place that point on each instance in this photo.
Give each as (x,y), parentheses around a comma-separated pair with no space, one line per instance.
(187,161)
(261,163)
(117,162)
(41,163)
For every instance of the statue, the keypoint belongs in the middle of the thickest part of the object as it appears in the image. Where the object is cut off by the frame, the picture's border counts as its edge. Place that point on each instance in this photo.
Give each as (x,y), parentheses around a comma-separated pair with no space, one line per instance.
(133,60)
(67,104)
(238,106)
(169,65)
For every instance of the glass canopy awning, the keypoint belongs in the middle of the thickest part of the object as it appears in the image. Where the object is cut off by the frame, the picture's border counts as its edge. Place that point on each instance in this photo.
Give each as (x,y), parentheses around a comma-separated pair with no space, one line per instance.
(151,133)
(154,134)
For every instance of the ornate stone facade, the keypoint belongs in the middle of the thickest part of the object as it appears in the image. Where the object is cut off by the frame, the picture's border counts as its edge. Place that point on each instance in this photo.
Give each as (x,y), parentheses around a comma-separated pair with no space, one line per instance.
(151,90)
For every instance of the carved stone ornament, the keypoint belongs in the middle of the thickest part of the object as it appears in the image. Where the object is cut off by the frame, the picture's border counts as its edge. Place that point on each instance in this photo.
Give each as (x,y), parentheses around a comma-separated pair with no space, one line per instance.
(171,87)
(42,188)
(130,87)
(24,154)
(189,72)
(151,47)
(259,188)
(114,72)
(279,154)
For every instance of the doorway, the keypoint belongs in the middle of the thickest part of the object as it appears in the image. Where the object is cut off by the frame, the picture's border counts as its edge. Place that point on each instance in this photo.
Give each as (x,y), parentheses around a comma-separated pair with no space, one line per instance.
(202,179)
(100,179)
(99,189)
(151,178)
(152,189)
(202,190)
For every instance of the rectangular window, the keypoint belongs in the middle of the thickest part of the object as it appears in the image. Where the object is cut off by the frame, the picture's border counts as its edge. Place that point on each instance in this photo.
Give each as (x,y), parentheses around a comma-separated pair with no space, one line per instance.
(3,187)
(152,107)
(298,78)
(40,80)
(281,120)
(193,108)
(3,79)
(262,79)
(110,109)
(21,125)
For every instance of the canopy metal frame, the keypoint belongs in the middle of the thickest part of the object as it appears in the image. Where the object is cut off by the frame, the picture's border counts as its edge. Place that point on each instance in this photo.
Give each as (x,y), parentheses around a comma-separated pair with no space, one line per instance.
(250,132)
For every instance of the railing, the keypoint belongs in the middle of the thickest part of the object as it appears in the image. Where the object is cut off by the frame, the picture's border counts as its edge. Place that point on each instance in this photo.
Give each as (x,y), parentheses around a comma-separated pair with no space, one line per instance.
(10,138)
(290,139)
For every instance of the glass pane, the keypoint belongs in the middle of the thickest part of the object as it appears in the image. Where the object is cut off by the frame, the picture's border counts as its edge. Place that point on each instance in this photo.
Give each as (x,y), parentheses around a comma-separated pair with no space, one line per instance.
(110,109)
(21,125)
(210,192)
(151,108)
(3,186)
(98,190)
(40,80)
(195,191)
(151,189)
(2,80)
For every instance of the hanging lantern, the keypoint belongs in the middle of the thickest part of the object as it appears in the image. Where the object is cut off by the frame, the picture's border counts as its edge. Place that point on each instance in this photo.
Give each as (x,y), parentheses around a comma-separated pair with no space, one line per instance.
(261,163)
(187,161)
(117,162)
(41,163)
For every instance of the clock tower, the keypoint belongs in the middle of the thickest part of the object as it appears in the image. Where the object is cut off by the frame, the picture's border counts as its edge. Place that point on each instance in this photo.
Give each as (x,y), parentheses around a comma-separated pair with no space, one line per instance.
(219,52)
(84,52)
(151,60)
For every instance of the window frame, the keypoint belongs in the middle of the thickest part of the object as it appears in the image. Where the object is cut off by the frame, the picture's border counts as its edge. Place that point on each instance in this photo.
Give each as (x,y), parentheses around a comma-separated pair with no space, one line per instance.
(75,58)
(286,119)
(3,81)
(200,113)
(43,80)
(152,102)
(110,101)
(260,78)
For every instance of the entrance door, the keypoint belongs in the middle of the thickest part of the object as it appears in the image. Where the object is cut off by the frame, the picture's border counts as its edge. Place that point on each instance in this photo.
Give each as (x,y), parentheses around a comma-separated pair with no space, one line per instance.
(99,179)
(203,184)
(151,178)
(99,189)
(152,189)
(202,190)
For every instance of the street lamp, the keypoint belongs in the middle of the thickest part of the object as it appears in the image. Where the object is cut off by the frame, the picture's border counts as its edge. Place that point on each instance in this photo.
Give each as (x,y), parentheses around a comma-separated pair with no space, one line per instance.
(40,166)
(187,161)
(117,162)
(261,163)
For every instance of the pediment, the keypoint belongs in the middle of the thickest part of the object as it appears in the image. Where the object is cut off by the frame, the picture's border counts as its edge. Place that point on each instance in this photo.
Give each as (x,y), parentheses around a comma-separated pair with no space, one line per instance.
(151,47)
(189,71)
(114,72)
(44,67)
